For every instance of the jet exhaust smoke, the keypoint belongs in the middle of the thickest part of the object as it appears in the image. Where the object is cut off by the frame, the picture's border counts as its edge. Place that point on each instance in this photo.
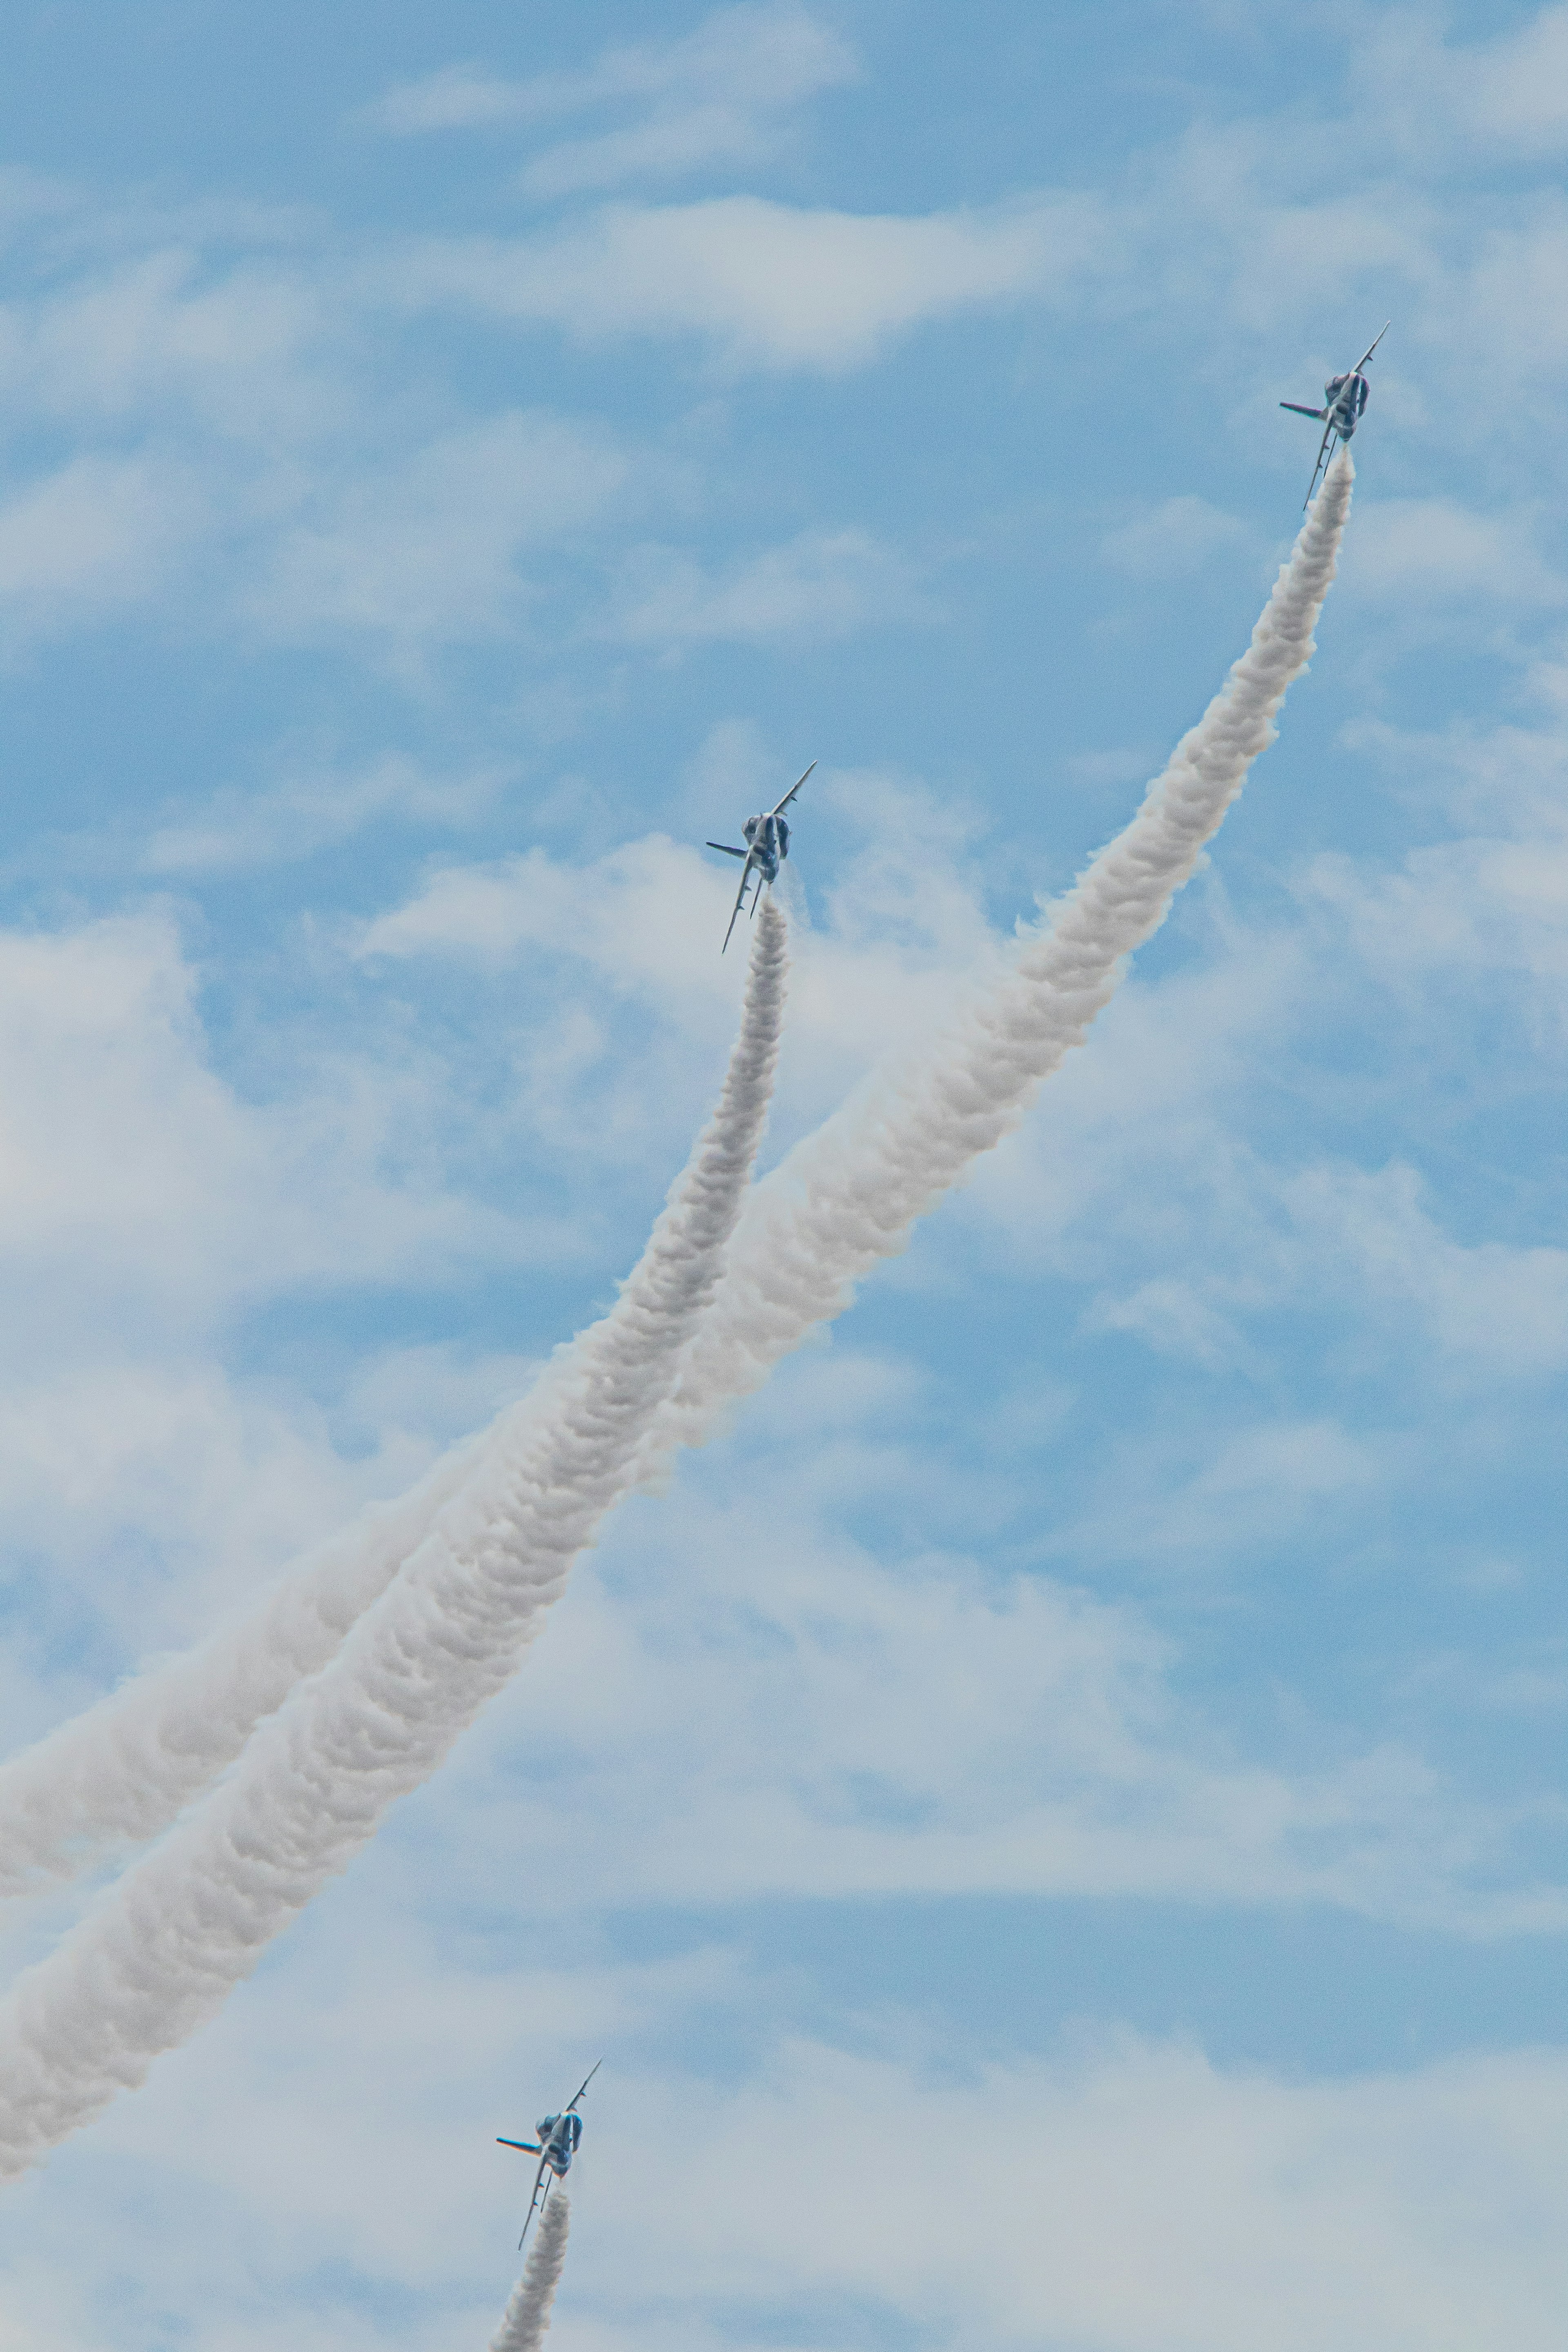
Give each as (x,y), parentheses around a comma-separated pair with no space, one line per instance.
(166,1945)
(123,1771)
(845,1198)
(527,2315)
(850,1195)
(162,1952)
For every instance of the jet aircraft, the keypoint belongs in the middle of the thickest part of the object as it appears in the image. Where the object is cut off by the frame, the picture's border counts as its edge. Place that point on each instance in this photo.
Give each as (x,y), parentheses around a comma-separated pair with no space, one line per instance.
(1344,400)
(560,2137)
(767,847)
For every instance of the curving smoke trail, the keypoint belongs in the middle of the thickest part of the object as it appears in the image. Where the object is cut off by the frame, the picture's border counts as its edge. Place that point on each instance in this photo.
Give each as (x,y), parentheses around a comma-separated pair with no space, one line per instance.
(162,1950)
(123,1771)
(527,2315)
(850,1195)
(845,1198)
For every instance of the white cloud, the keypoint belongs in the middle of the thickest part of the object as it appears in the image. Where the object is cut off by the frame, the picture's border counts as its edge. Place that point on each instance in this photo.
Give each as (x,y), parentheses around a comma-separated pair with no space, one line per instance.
(154,1493)
(281,2170)
(820,586)
(315,806)
(427,555)
(454,98)
(739,1700)
(632,913)
(239,346)
(771,286)
(1177,537)
(143,1205)
(1432,550)
(1491,1304)
(1136,2200)
(905,926)
(102,532)
(1173,1316)
(1455,910)
(1108,771)
(1205,1503)
(130,1171)
(714,96)
(1516,90)
(1509,93)
(855,1721)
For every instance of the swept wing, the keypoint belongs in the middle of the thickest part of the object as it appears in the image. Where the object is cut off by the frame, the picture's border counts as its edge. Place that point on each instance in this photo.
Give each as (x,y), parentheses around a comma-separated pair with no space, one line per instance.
(1371,347)
(541,2181)
(746,872)
(1324,452)
(571,2104)
(789,796)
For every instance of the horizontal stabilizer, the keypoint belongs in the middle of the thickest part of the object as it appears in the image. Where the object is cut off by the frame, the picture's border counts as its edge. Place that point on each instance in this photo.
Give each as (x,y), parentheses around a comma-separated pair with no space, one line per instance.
(531,2145)
(1318,412)
(727,850)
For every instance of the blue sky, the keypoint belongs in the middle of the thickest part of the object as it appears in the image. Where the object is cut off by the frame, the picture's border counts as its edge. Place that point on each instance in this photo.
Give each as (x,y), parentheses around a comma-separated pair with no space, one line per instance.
(1056,1818)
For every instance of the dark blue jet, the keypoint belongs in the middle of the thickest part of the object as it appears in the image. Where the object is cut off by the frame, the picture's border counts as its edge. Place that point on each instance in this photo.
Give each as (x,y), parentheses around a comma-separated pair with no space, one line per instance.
(560,2138)
(1344,402)
(767,847)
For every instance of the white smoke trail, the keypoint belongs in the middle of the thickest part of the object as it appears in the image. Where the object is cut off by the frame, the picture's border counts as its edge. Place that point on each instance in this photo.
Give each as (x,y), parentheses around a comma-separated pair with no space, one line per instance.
(164,1947)
(125,1768)
(845,1198)
(163,1953)
(527,2315)
(121,1771)
(850,1195)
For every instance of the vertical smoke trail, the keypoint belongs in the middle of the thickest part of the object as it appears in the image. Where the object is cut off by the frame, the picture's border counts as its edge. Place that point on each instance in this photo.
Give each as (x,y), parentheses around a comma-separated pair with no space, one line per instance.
(163,1949)
(527,2315)
(850,1195)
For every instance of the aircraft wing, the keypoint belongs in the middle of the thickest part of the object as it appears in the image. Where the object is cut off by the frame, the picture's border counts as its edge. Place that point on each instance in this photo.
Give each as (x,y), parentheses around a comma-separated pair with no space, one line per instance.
(599,2063)
(735,918)
(536,2204)
(792,792)
(1318,412)
(1321,467)
(1371,347)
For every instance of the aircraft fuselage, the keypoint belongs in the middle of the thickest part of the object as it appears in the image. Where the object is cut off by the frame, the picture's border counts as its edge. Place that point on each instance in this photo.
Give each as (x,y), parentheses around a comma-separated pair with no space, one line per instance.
(559,2137)
(767,838)
(1345,403)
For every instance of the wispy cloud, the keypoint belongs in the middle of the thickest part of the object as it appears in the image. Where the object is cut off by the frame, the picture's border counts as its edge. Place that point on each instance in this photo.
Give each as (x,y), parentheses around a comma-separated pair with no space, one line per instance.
(1507,94)
(315,806)
(429,553)
(714,96)
(820,586)
(1489,1305)
(1176,537)
(1434,551)
(769,284)
(100,533)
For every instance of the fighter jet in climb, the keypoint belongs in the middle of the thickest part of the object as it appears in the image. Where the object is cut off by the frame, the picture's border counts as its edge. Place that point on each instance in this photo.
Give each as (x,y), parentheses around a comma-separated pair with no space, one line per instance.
(767,847)
(1345,399)
(560,2137)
